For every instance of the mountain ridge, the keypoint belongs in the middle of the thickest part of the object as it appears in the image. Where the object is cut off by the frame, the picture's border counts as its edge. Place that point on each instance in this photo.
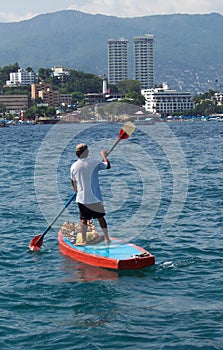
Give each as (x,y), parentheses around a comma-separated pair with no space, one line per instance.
(188,50)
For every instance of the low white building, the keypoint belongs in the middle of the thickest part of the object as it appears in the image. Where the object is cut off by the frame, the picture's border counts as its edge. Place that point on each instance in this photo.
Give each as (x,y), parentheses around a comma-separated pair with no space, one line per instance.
(165,101)
(219,98)
(22,77)
(59,71)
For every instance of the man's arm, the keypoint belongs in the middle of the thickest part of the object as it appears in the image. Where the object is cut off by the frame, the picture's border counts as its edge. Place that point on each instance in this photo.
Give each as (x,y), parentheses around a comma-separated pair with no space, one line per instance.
(105,159)
(73,182)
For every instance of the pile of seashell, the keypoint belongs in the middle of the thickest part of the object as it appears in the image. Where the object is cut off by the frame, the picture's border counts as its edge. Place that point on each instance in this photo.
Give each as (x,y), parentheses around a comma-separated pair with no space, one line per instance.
(72,231)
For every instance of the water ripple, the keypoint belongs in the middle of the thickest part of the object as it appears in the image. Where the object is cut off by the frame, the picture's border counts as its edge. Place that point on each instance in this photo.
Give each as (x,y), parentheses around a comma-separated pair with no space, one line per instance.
(50,301)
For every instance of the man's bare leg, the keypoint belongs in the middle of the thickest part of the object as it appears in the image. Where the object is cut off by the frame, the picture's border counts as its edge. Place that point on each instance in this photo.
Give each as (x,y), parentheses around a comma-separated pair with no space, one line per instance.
(104,227)
(83,224)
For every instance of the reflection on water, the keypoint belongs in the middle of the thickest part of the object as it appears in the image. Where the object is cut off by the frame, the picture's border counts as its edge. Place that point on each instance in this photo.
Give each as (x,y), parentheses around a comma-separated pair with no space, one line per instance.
(80,272)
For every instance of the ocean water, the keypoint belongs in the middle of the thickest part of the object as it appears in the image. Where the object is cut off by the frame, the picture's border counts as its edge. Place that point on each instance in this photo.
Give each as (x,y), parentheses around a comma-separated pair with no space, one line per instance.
(163,192)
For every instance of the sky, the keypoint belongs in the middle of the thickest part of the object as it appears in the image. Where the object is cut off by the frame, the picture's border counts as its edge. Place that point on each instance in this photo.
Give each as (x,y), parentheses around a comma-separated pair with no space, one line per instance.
(18,10)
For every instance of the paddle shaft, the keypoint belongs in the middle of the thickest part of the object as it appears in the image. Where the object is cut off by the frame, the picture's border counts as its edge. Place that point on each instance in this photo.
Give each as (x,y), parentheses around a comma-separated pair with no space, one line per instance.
(113,146)
(58,215)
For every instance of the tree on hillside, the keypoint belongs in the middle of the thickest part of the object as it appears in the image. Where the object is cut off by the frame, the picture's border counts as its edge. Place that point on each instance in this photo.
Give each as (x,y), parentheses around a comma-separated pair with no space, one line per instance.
(78,97)
(20,90)
(2,108)
(40,111)
(205,107)
(134,98)
(126,86)
(113,89)
(29,69)
(83,82)
(45,74)
(5,72)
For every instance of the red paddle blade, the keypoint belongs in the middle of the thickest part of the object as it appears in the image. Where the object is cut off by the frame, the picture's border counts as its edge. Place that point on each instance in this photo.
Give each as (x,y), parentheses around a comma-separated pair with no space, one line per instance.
(126,130)
(122,135)
(36,243)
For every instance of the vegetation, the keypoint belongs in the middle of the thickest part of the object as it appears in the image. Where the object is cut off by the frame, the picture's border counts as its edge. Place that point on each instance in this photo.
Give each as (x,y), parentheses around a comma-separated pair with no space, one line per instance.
(128,86)
(78,84)
(75,83)
(2,108)
(5,73)
(184,44)
(205,105)
(34,111)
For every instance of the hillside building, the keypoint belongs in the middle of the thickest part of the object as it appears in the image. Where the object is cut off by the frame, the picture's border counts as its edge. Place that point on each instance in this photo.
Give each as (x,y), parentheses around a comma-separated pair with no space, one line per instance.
(143,48)
(36,88)
(117,60)
(45,92)
(50,97)
(14,103)
(218,96)
(59,71)
(22,77)
(65,99)
(165,101)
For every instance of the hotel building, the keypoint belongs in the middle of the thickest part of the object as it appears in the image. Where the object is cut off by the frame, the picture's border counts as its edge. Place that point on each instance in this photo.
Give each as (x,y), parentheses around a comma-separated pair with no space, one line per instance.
(165,101)
(117,60)
(143,47)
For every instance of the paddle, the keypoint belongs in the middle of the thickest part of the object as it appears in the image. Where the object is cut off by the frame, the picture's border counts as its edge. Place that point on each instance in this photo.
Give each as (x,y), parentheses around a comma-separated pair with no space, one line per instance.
(37,241)
(126,130)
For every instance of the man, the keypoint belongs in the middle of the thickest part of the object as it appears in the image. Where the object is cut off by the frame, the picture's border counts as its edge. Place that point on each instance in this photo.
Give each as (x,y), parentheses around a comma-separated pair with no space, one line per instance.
(85,182)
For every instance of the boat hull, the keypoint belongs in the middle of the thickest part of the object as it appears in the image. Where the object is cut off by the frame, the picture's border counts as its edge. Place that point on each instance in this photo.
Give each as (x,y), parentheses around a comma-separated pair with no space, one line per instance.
(118,255)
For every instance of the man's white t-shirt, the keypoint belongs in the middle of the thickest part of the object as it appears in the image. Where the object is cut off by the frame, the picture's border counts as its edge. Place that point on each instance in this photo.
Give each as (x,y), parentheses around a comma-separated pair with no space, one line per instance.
(85,172)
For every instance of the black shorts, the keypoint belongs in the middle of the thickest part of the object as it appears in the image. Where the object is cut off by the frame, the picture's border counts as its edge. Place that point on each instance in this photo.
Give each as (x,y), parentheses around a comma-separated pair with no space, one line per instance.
(91,211)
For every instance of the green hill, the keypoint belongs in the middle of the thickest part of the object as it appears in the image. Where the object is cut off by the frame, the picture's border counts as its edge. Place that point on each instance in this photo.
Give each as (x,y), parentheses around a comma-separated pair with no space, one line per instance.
(188,48)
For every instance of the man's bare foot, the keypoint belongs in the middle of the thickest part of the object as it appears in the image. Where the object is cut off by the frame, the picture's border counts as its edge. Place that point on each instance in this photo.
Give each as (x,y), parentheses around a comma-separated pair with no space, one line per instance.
(107,240)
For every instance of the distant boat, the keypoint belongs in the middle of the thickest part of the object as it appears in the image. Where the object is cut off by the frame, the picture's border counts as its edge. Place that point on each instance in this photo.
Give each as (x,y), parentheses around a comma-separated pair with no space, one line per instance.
(47,121)
(3,124)
(146,121)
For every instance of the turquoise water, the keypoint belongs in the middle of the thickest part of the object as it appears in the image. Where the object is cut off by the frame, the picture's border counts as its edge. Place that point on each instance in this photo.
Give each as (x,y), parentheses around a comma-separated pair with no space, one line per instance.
(163,192)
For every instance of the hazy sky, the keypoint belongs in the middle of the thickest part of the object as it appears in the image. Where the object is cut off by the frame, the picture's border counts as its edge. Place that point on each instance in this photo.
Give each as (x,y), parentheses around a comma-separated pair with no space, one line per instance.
(17,10)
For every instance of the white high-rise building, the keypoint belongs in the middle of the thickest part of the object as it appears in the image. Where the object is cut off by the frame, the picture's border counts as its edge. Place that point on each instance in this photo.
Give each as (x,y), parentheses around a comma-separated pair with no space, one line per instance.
(144,60)
(117,60)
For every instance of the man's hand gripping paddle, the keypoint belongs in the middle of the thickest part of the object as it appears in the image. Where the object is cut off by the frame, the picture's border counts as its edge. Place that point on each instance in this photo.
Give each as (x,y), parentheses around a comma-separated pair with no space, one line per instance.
(126,130)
